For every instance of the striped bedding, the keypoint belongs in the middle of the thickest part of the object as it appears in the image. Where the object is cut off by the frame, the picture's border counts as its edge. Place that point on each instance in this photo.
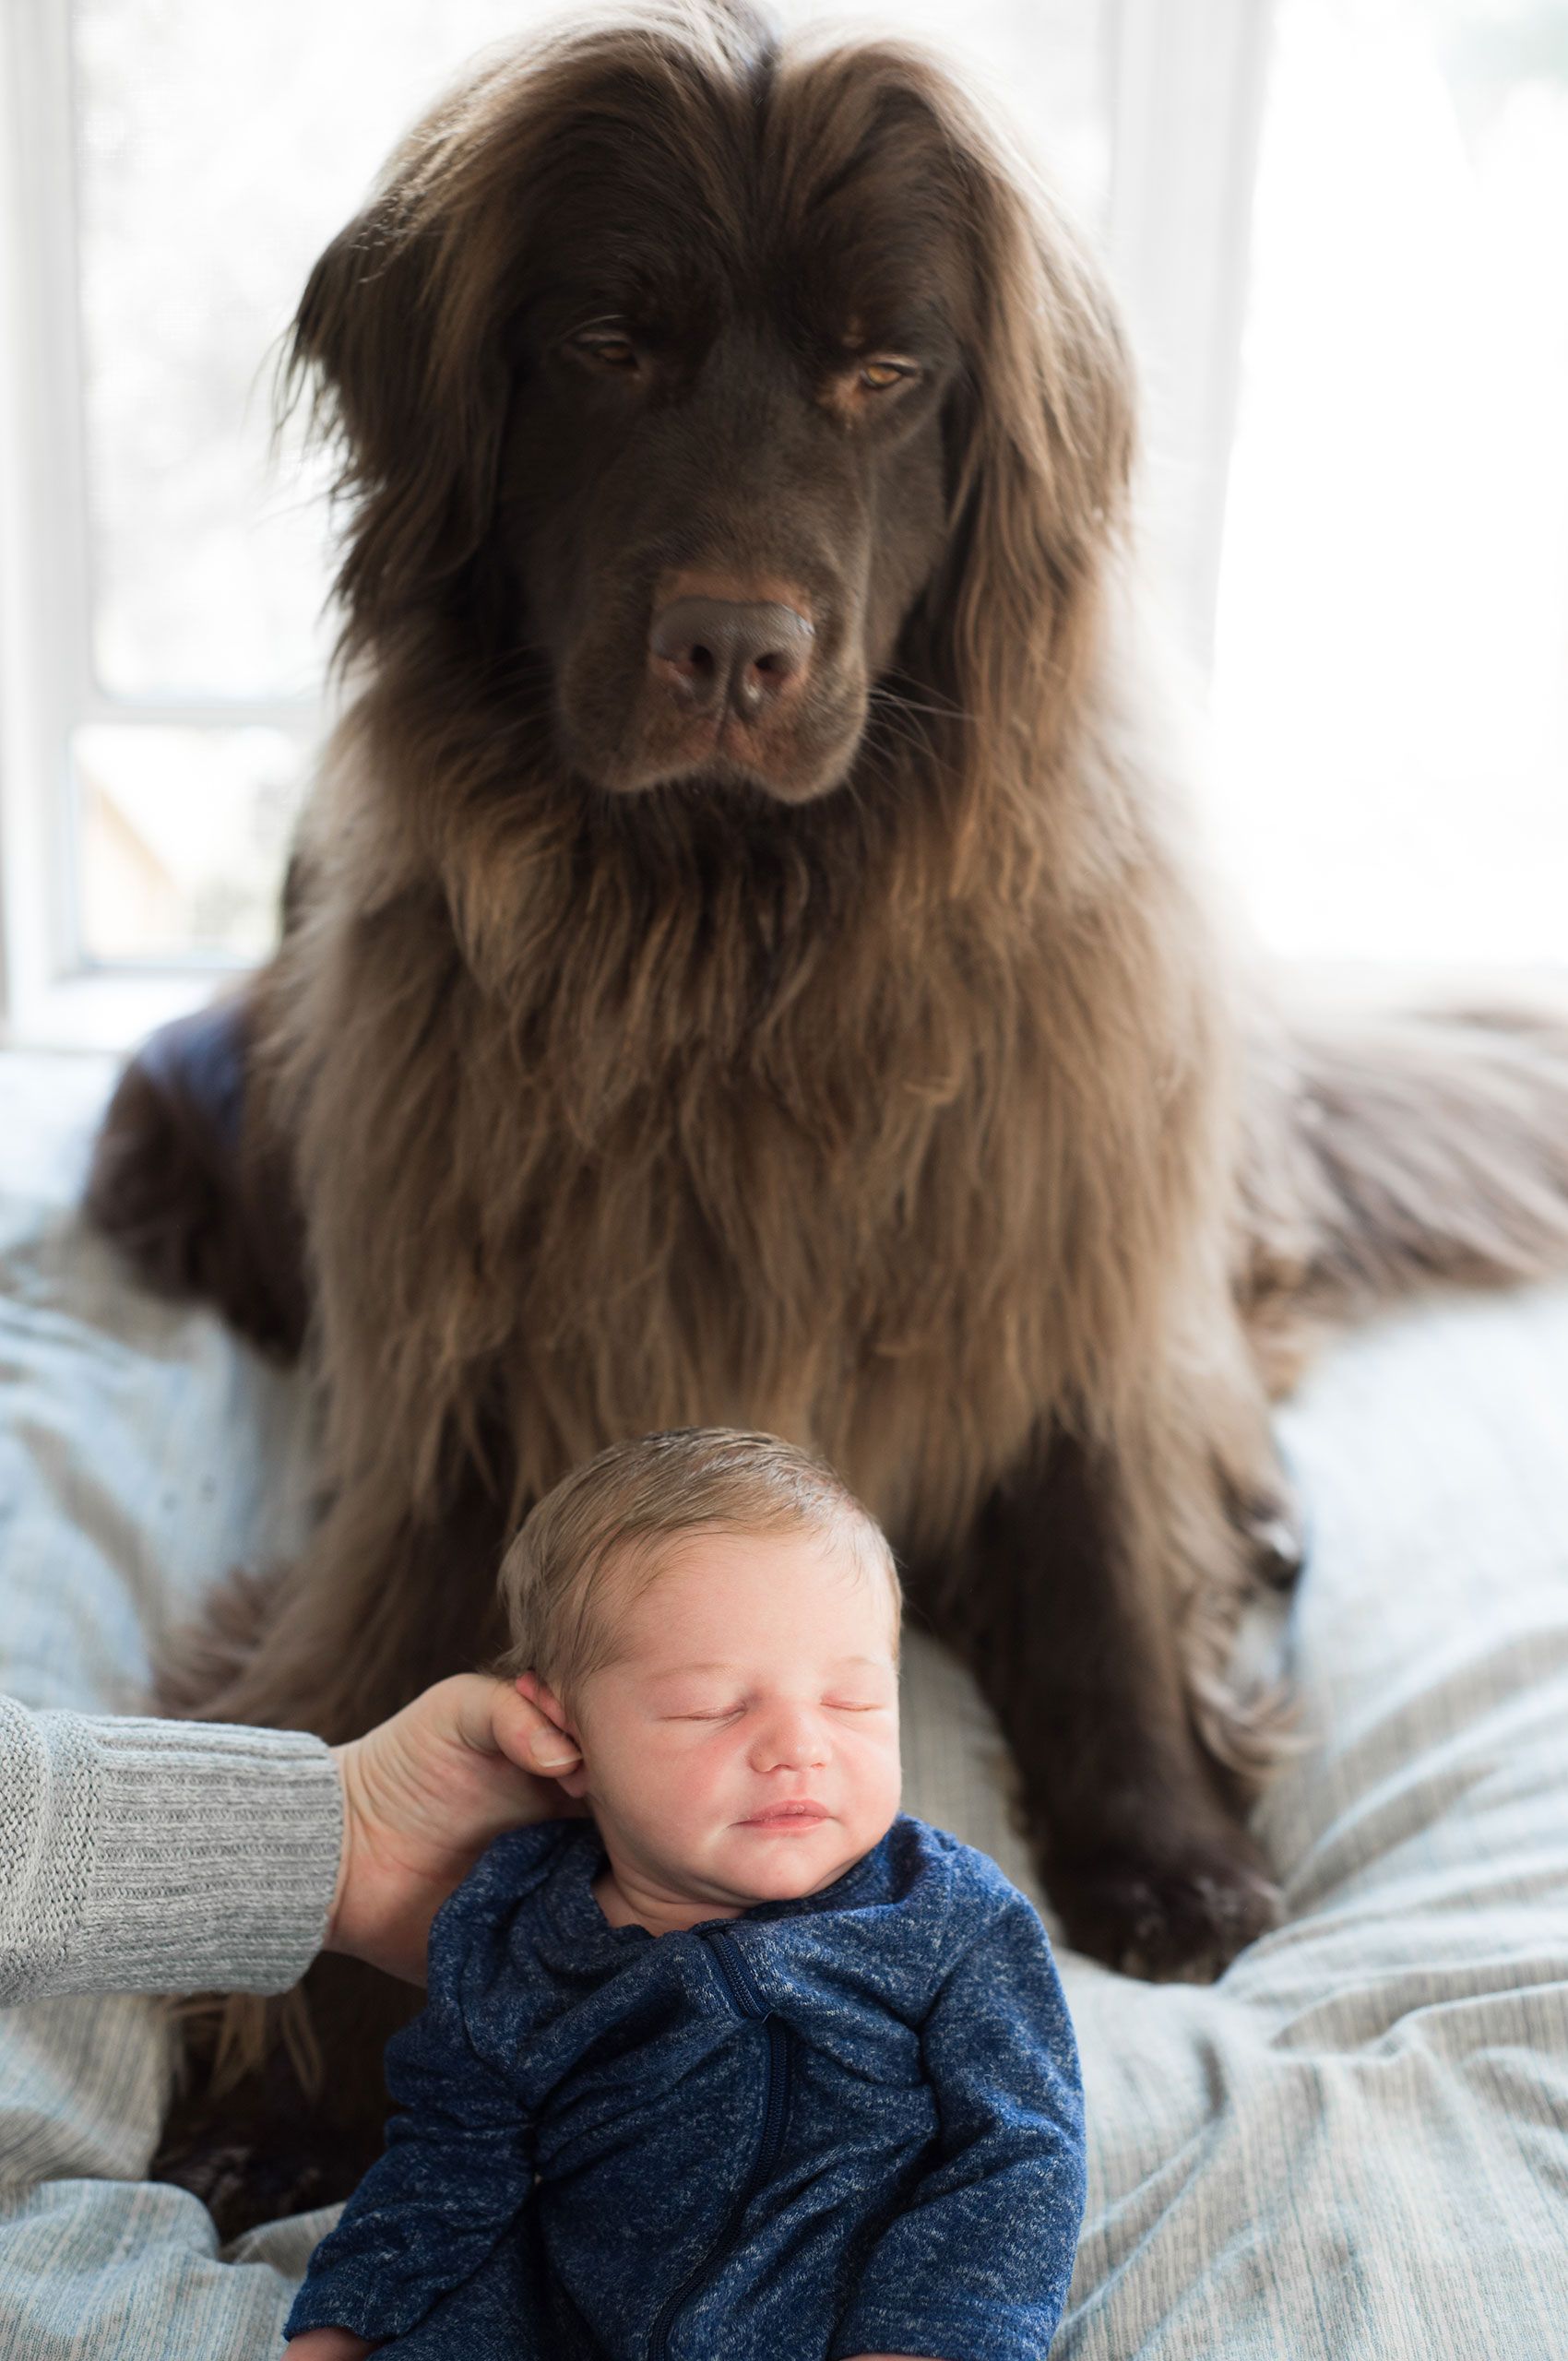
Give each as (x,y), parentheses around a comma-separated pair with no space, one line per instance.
(1355,2145)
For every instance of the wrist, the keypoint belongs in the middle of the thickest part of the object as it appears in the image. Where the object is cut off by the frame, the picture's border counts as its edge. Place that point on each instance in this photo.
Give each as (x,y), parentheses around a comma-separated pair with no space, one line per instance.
(342,1757)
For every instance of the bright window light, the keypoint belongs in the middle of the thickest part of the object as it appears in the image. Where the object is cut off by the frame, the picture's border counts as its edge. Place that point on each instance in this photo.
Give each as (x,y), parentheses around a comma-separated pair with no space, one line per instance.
(1390,693)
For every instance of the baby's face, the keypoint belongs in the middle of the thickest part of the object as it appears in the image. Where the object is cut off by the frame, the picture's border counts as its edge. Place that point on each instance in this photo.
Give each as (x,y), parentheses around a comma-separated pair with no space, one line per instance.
(744,1746)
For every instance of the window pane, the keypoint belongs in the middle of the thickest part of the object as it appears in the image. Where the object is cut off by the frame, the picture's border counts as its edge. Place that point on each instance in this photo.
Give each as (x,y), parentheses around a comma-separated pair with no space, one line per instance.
(1391,683)
(182,838)
(218,148)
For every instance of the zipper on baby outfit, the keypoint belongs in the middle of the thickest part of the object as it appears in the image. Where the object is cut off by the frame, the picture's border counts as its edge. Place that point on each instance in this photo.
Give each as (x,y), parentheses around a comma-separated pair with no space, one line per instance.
(747,2002)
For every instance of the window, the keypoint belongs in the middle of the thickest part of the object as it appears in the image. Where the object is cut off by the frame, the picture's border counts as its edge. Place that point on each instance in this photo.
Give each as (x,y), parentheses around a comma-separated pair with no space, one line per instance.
(1390,693)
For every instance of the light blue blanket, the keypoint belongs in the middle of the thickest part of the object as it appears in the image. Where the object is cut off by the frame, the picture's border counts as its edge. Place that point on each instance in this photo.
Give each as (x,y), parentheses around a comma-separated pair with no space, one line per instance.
(1355,2145)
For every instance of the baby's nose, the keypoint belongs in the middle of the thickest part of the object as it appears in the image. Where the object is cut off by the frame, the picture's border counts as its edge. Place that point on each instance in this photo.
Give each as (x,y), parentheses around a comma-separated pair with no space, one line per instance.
(793,1737)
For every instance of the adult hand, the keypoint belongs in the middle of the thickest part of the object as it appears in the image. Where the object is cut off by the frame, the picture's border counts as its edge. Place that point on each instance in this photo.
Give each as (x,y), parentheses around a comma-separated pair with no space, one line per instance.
(423,1797)
(328,2345)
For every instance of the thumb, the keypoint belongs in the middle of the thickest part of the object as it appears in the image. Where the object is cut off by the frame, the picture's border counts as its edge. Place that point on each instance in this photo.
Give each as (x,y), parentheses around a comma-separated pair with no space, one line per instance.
(528,1735)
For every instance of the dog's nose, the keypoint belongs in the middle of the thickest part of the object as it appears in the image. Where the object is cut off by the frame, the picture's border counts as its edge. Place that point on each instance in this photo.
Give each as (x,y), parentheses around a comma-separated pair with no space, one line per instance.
(719,652)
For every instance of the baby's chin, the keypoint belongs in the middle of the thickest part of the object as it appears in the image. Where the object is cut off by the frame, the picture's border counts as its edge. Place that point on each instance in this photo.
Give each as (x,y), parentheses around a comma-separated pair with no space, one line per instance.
(770,1865)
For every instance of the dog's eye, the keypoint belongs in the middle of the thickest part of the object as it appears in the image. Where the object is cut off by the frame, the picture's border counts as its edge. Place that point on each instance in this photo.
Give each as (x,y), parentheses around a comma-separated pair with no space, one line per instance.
(605,346)
(878,375)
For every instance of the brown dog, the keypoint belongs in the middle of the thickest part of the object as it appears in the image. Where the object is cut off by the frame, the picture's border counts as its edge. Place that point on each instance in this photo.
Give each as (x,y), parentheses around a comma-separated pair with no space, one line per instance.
(743,962)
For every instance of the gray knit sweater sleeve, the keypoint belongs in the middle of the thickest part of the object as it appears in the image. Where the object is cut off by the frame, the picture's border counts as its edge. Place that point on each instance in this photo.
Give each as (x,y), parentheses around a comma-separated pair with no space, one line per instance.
(160,1856)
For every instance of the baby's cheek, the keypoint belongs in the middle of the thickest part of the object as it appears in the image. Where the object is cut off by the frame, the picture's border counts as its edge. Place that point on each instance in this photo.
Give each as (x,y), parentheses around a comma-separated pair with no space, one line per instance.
(655,1783)
(877,1771)
(698,1782)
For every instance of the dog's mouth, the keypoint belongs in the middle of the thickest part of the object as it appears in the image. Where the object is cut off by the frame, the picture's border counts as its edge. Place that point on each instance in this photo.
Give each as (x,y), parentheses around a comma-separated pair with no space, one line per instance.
(721,767)
(718,754)
(716,748)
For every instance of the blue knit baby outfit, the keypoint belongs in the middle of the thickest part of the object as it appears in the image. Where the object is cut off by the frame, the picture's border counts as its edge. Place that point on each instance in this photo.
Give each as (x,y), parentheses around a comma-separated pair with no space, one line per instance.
(848,2123)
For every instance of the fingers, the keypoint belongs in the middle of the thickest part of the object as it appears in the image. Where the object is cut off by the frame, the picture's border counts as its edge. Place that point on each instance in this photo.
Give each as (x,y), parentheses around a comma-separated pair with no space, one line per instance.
(496,1717)
(527,1733)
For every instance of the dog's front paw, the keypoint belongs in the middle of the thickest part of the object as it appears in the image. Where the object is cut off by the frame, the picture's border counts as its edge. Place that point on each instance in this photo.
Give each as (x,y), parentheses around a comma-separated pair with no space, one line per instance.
(1178,1918)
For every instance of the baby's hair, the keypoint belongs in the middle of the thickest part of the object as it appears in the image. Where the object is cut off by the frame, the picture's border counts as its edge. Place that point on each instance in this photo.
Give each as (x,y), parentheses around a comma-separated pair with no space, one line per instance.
(634,1497)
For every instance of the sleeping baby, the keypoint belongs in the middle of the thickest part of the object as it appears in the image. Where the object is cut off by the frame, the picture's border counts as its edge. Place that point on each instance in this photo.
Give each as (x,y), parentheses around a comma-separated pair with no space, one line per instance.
(743,2063)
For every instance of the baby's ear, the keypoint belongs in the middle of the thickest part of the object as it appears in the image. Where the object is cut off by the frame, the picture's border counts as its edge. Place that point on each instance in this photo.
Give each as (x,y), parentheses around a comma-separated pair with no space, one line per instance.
(540,1694)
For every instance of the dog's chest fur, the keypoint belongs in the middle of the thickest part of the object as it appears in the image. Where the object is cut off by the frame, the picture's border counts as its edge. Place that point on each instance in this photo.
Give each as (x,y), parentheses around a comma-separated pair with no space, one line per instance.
(846,1241)
(745,1275)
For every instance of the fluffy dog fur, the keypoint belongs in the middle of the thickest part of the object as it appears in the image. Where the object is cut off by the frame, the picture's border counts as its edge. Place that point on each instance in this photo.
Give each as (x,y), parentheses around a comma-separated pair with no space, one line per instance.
(884,1077)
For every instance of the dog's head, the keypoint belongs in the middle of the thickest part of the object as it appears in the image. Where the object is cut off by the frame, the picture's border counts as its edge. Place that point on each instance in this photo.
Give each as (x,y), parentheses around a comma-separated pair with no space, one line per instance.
(740,402)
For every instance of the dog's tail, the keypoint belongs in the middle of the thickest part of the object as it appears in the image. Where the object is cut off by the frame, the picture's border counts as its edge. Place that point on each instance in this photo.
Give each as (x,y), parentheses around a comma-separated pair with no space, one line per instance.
(1394,1152)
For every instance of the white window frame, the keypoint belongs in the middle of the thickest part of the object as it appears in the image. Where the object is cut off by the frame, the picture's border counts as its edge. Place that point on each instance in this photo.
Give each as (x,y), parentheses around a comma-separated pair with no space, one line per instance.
(1184,87)
(54,995)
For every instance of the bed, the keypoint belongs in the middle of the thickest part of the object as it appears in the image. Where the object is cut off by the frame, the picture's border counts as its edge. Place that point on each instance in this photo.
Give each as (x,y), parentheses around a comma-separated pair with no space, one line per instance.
(1355,2144)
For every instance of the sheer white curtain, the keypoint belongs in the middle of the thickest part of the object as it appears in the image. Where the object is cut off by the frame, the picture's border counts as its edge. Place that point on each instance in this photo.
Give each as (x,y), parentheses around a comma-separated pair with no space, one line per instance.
(1390,694)
(1186,89)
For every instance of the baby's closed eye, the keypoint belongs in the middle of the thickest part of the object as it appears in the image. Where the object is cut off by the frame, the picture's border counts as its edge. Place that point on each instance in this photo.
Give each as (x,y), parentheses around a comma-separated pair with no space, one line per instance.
(728,1712)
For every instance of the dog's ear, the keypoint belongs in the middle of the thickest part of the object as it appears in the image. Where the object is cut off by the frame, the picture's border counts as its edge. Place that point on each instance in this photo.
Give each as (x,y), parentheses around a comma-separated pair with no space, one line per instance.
(358,328)
(407,374)
(1039,444)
